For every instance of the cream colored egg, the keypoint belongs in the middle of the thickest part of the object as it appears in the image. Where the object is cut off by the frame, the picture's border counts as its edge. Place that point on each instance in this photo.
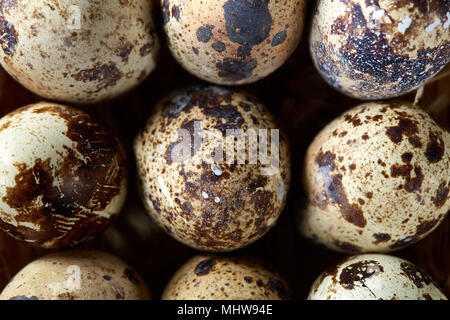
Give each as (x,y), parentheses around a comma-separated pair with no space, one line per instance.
(77,275)
(376,49)
(201,177)
(63,176)
(78,51)
(375,277)
(377,178)
(232,41)
(208,277)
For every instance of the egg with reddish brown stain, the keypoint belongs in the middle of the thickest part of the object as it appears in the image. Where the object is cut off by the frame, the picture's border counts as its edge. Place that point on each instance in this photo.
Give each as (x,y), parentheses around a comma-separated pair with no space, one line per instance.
(376,179)
(200,173)
(78,51)
(208,277)
(77,275)
(233,42)
(377,49)
(375,277)
(63,175)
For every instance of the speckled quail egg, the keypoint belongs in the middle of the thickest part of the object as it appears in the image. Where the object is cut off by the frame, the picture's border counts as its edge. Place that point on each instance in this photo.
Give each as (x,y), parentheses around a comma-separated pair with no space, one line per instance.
(78,51)
(201,176)
(207,277)
(376,49)
(77,275)
(232,41)
(376,179)
(63,176)
(375,277)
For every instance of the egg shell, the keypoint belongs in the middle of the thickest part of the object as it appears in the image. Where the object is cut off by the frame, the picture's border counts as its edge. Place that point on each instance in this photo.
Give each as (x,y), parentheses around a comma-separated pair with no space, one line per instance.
(376,49)
(208,277)
(110,52)
(232,41)
(375,277)
(77,275)
(63,175)
(376,178)
(210,203)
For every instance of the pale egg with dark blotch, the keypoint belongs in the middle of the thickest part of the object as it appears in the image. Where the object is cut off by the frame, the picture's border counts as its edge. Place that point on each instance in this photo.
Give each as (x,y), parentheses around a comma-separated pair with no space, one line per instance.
(78,51)
(63,175)
(373,50)
(233,42)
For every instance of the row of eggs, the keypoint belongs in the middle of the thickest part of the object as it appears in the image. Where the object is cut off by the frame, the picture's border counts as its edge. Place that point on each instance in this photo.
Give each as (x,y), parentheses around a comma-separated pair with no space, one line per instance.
(90,52)
(95,275)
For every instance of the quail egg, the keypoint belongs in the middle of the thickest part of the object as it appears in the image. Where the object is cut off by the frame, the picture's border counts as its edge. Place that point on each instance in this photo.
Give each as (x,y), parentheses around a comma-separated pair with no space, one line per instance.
(78,51)
(207,277)
(376,179)
(77,275)
(377,49)
(232,41)
(63,176)
(201,175)
(375,277)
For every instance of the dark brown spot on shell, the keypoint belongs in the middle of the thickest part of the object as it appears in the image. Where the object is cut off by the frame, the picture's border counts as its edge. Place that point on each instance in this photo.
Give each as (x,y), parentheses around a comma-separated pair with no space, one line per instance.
(146,49)
(441,195)
(358,273)
(124,50)
(277,286)
(24,298)
(381,237)
(106,75)
(8,36)
(176,12)
(405,127)
(204,267)
(435,148)
(204,33)
(130,275)
(247,22)
(415,275)
(279,38)
(411,183)
(235,70)
(334,190)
